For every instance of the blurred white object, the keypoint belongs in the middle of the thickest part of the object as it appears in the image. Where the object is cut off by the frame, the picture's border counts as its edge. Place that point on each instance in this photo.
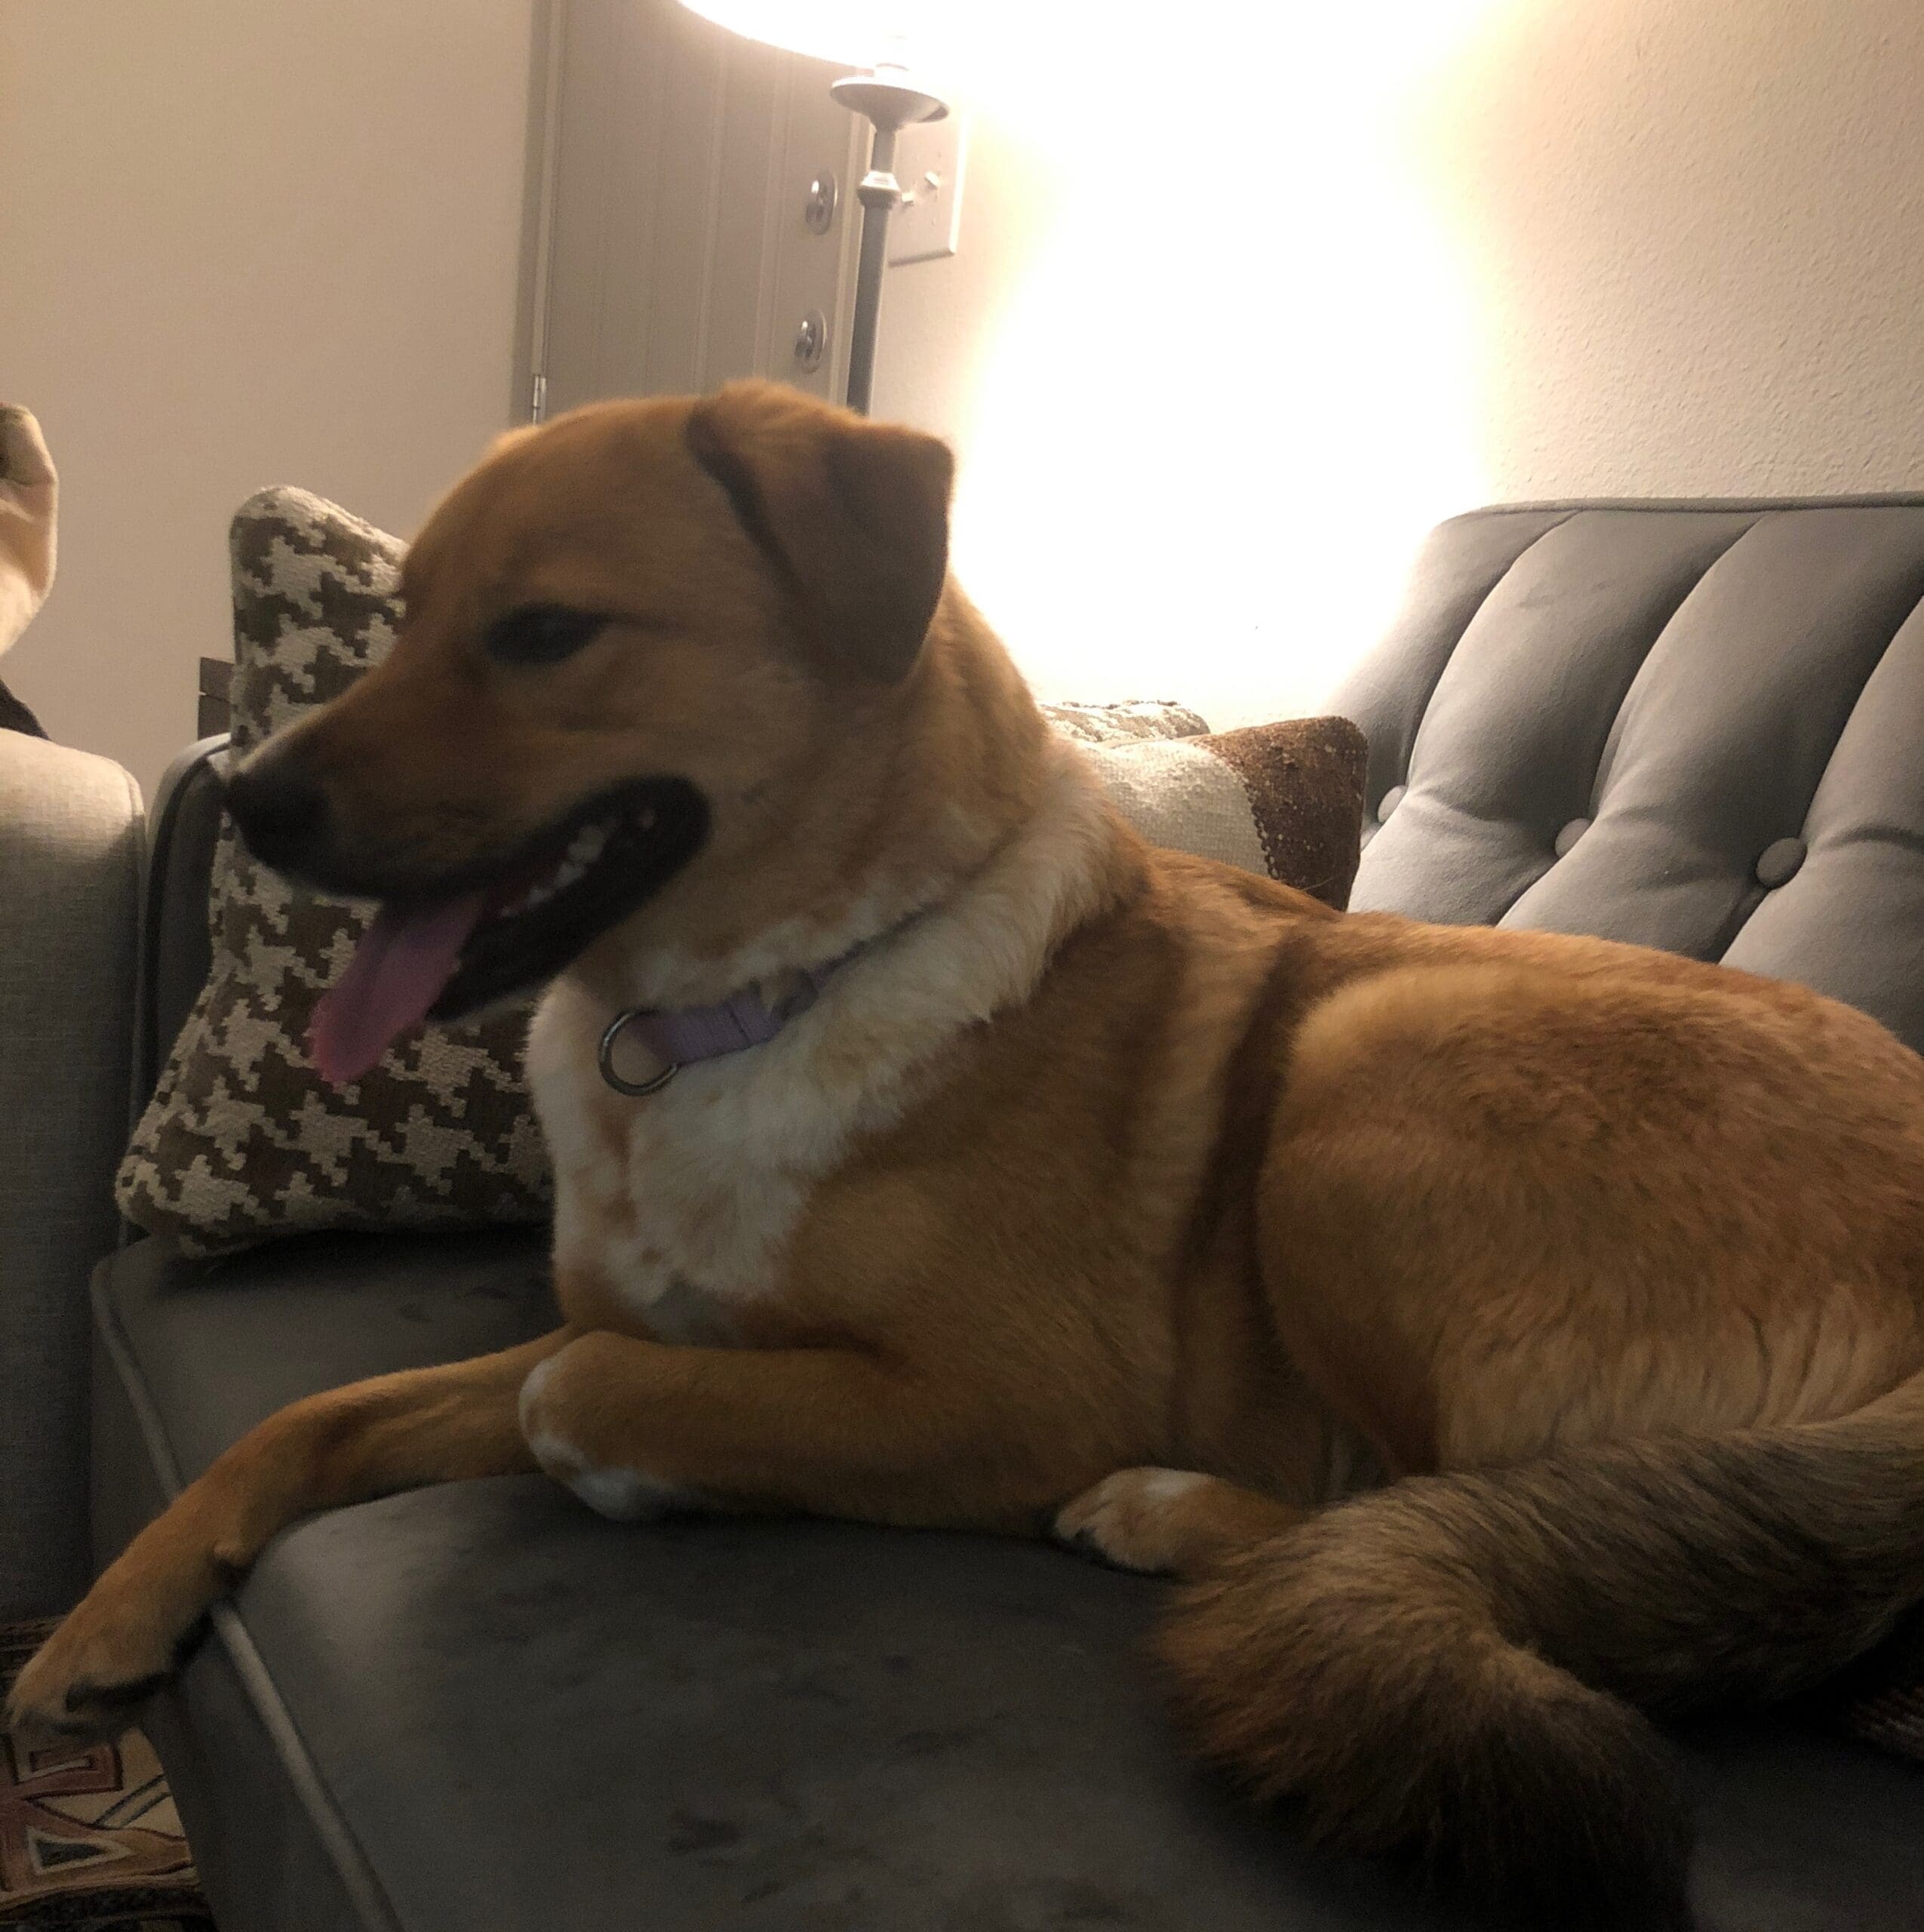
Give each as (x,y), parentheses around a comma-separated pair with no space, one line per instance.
(29,515)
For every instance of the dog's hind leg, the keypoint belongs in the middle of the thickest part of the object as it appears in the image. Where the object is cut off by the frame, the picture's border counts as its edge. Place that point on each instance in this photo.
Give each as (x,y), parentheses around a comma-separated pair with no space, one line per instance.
(346,1445)
(1168,1522)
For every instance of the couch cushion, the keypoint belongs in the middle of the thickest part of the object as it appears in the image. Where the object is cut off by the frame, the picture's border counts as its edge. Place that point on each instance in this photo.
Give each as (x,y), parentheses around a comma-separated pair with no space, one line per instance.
(1690,726)
(481,1705)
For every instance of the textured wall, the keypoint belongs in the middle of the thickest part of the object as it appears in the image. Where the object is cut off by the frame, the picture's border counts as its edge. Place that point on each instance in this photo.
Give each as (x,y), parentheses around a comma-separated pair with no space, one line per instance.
(1234,321)
(1695,236)
(241,242)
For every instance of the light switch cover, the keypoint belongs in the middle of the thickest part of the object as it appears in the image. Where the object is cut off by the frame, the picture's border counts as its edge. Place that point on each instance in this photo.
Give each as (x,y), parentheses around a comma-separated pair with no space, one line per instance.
(929,162)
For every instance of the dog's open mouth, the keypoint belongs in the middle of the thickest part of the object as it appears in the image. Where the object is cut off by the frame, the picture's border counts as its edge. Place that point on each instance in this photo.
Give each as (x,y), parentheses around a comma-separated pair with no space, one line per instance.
(441,956)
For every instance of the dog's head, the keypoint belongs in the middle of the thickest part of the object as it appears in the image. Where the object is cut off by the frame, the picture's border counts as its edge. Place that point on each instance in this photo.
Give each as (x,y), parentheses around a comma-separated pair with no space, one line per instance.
(649,649)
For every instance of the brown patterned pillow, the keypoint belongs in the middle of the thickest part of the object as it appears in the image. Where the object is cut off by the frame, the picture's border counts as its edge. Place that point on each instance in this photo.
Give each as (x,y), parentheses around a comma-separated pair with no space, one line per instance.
(1286,799)
(242,1140)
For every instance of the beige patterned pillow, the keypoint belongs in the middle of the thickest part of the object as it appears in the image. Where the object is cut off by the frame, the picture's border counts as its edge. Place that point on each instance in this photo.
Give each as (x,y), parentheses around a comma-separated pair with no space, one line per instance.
(243,1139)
(1127,723)
(1286,799)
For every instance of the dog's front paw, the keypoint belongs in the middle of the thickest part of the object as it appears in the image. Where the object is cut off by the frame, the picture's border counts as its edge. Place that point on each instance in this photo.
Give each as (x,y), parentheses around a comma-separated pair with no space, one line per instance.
(87,1681)
(561,1403)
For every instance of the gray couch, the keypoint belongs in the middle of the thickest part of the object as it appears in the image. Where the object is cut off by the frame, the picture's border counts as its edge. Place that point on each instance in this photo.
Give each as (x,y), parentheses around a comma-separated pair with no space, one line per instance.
(1698,726)
(70,837)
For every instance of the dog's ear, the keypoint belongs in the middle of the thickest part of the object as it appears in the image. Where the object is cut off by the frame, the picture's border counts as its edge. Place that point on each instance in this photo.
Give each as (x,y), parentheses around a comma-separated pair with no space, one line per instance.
(853,515)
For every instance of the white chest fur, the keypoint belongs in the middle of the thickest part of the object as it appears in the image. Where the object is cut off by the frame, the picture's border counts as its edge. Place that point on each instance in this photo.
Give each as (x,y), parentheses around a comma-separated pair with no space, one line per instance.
(683,1202)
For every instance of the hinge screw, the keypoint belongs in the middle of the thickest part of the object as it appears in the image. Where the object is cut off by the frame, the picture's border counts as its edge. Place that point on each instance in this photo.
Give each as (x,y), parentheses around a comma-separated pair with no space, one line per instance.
(819,211)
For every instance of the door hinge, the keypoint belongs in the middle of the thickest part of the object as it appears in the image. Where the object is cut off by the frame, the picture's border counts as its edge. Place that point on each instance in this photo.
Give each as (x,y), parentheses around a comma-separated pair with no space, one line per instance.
(537,398)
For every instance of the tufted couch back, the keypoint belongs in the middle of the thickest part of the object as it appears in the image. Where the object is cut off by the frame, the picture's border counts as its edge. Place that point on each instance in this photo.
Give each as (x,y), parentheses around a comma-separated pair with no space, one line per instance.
(1696,726)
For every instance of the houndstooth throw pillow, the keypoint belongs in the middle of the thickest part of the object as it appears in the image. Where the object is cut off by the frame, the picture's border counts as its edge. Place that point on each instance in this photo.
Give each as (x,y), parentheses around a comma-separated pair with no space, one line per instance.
(243,1139)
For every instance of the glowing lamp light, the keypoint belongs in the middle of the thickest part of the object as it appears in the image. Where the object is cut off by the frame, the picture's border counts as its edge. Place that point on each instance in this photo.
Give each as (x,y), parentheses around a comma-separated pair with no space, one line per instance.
(850,33)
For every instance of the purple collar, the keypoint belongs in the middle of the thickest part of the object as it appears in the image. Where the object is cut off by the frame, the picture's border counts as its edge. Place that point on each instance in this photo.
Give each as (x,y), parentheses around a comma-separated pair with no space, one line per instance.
(707,1032)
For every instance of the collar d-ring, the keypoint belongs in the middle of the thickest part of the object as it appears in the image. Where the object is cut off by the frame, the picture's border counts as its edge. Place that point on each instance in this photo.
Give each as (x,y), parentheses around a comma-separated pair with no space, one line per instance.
(605,1059)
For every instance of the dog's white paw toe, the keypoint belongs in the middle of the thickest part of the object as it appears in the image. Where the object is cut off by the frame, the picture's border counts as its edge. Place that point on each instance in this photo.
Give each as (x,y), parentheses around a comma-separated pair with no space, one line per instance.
(627,1496)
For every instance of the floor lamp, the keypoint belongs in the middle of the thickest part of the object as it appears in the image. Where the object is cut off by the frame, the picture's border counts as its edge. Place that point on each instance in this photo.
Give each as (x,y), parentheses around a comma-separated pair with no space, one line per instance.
(877,37)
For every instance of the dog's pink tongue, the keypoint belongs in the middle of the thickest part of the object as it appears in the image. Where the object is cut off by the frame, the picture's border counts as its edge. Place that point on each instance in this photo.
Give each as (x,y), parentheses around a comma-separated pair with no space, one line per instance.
(395,977)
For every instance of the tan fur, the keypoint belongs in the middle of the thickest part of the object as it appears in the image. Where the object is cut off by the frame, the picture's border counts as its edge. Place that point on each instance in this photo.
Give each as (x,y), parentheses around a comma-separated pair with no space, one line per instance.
(1101,1164)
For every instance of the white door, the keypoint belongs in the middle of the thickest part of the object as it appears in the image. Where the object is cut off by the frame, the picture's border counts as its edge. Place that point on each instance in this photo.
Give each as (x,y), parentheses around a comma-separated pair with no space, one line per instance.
(679,244)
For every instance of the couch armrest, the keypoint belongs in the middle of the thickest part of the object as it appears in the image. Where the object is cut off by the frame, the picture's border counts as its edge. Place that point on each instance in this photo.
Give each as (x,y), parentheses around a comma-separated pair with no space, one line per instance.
(70,857)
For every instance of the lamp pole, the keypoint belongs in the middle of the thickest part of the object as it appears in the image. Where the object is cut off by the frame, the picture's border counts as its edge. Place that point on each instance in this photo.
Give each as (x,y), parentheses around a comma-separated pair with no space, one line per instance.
(890,105)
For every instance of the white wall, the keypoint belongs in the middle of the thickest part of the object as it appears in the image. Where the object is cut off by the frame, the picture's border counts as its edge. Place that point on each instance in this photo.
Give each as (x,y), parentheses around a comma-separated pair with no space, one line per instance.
(242,242)
(1236,316)
(1694,239)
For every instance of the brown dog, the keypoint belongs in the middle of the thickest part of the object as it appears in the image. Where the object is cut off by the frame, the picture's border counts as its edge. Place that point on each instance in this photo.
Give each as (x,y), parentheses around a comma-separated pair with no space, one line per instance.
(1098,1186)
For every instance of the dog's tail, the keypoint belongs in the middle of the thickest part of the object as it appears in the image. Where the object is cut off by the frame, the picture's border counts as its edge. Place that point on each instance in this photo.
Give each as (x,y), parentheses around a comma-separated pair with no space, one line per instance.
(1456,1667)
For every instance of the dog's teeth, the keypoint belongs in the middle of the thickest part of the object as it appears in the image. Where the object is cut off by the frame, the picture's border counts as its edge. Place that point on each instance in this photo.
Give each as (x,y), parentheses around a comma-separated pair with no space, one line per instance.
(584,848)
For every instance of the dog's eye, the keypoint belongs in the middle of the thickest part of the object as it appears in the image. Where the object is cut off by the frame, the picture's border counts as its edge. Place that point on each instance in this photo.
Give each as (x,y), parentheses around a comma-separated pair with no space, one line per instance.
(544,633)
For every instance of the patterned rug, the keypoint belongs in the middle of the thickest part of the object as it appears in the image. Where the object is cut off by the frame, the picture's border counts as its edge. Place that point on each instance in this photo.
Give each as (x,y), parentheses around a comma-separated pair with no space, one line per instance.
(90,1840)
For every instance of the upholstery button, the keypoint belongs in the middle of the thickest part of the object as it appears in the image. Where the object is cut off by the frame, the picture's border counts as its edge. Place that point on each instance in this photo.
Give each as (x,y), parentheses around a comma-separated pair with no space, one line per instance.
(1392,799)
(1569,836)
(1780,861)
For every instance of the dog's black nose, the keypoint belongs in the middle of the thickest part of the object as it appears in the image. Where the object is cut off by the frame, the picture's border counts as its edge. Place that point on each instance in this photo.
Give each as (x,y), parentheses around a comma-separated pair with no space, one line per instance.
(282,816)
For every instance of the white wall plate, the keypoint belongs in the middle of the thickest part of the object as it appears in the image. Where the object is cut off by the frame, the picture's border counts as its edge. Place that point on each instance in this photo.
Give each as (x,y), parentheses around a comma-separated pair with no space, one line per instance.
(929,162)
